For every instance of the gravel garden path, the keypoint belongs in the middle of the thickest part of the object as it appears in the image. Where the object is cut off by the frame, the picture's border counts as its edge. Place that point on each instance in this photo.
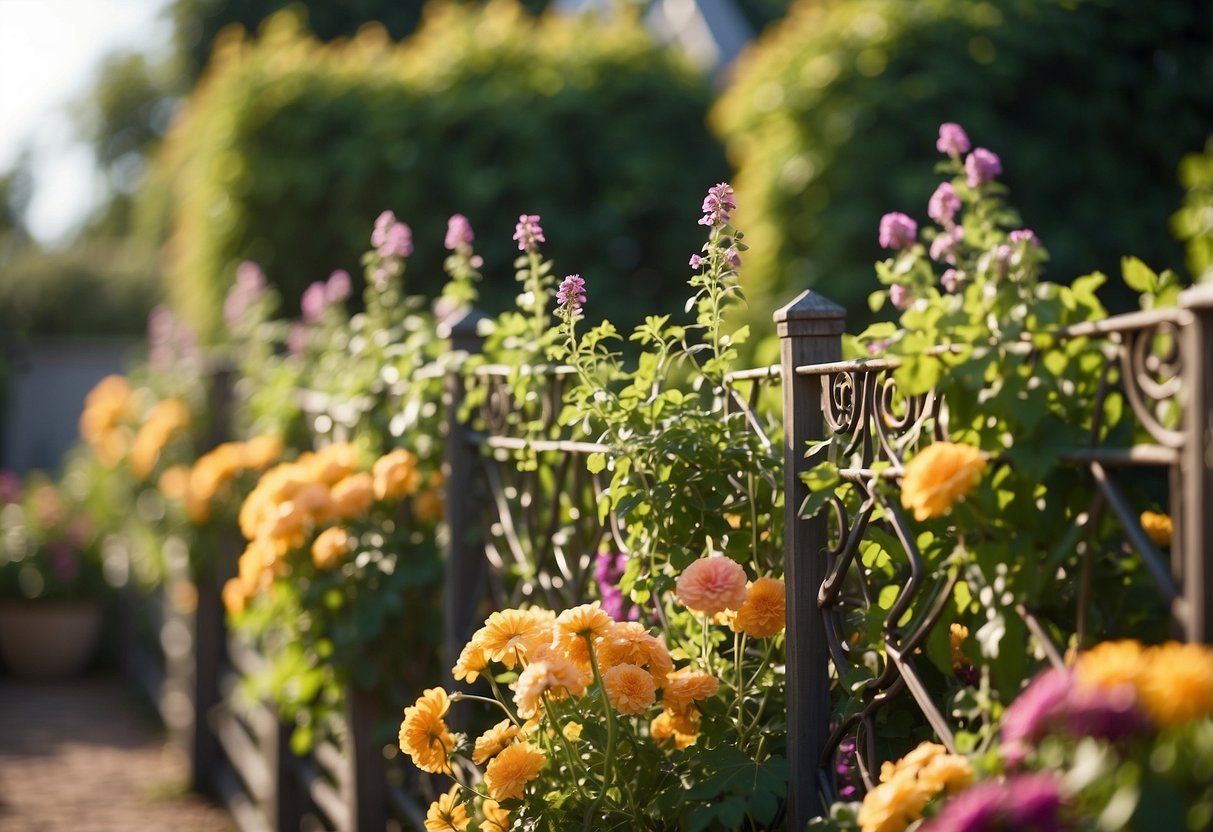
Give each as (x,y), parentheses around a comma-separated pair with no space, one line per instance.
(79,756)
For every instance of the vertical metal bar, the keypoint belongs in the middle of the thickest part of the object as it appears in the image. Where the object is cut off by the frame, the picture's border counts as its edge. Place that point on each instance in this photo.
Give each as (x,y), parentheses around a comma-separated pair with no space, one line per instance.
(810,329)
(1196,532)
(210,630)
(284,802)
(367,773)
(465,563)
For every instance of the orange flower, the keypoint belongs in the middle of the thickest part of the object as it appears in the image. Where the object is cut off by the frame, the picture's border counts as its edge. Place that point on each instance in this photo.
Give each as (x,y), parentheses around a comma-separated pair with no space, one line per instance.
(330,546)
(447,814)
(711,585)
(1158,527)
(508,634)
(763,613)
(892,805)
(1110,664)
(333,463)
(472,660)
(428,506)
(686,686)
(509,772)
(424,735)
(630,643)
(683,729)
(396,475)
(629,689)
(553,675)
(496,819)
(174,483)
(233,597)
(261,451)
(1178,686)
(585,620)
(940,475)
(493,741)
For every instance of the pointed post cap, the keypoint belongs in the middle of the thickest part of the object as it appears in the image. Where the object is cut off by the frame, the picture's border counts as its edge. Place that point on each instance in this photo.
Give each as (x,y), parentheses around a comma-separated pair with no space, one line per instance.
(810,313)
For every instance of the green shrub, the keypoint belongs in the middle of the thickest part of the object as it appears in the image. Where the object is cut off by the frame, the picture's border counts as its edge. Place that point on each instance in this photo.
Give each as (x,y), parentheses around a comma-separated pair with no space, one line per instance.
(1091,103)
(96,287)
(1193,222)
(289,149)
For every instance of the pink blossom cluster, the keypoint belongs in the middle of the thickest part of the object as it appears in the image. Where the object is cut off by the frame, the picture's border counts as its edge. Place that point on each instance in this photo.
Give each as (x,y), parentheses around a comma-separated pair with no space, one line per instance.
(390,237)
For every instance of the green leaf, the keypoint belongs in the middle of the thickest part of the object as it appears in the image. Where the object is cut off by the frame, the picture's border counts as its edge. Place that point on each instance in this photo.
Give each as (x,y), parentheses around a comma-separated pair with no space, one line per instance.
(1138,276)
(595,463)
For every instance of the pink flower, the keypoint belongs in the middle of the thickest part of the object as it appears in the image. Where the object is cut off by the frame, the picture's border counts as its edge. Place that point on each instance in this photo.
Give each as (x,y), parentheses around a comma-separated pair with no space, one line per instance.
(732,257)
(943,247)
(458,232)
(944,204)
(718,206)
(712,585)
(571,293)
(391,238)
(950,279)
(952,140)
(1025,235)
(338,287)
(247,290)
(314,302)
(697,261)
(899,296)
(981,166)
(529,233)
(897,230)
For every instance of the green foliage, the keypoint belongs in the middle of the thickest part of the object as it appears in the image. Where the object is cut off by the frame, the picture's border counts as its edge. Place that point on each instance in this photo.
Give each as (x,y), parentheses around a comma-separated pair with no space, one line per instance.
(289,148)
(96,287)
(1193,222)
(1092,104)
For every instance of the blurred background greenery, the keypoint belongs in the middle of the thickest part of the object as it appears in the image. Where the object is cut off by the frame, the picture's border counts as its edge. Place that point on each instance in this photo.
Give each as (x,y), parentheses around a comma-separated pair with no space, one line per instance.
(283,144)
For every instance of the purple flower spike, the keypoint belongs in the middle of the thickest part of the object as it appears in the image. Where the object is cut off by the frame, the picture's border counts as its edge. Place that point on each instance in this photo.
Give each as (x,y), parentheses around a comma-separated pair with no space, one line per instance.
(458,232)
(391,238)
(314,302)
(899,296)
(571,293)
(1025,235)
(952,141)
(981,166)
(943,247)
(897,231)
(718,206)
(529,233)
(338,287)
(944,204)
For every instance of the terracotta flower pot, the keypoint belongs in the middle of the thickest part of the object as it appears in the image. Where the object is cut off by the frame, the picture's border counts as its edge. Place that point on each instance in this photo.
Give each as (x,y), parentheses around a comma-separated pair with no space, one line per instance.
(49,639)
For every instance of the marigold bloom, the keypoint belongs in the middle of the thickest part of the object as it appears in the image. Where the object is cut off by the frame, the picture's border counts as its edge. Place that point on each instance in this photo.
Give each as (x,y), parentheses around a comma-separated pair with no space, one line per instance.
(447,814)
(1179,684)
(234,598)
(396,475)
(353,496)
(261,451)
(330,546)
(472,660)
(585,620)
(1158,527)
(496,819)
(711,585)
(686,686)
(680,727)
(764,612)
(174,483)
(492,741)
(631,643)
(940,475)
(424,735)
(1111,663)
(947,772)
(428,506)
(509,772)
(630,689)
(552,675)
(571,731)
(510,634)
(893,805)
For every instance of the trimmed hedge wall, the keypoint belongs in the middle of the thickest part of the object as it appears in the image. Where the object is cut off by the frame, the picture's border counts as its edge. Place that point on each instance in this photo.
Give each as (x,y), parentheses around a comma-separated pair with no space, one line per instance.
(290,148)
(1091,104)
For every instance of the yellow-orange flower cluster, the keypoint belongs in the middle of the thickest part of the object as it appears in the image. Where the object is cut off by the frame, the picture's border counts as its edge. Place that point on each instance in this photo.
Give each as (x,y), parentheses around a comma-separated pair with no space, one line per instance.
(166,418)
(198,485)
(940,475)
(1158,527)
(712,585)
(764,612)
(509,772)
(907,785)
(1173,681)
(424,735)
(104,424)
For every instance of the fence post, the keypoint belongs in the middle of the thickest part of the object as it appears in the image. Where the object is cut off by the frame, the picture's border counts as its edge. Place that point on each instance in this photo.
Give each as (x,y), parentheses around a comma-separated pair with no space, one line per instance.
(810,330)
(1196,532)
(465,564)
(210,631)
(367,770)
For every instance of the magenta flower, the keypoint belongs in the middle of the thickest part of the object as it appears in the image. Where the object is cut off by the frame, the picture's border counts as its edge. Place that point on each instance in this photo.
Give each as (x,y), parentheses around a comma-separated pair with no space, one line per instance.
(943,247)
(458,232)
(697,261)
(1025,235)
(981,166)
(732,257)
(944,204)
(529,233)
(899,296)
(1028,802)
(950,279)
(338,287)
(952,140)
(390,237)
(718,206)
(571,293)
(608,569)
(296,339)
(877,347)
(314,302)
(897,231)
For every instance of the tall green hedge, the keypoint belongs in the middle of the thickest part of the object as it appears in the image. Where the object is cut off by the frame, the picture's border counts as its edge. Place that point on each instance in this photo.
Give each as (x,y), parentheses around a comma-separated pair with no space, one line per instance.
(1091,104)
(290,148)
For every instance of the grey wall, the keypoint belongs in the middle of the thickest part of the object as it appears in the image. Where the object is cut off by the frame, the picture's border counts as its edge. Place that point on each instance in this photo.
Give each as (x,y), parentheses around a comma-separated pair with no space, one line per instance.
(46,394)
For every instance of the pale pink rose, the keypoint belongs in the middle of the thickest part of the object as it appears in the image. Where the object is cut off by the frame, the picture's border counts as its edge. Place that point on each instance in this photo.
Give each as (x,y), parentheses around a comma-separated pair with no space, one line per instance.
(712,585)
